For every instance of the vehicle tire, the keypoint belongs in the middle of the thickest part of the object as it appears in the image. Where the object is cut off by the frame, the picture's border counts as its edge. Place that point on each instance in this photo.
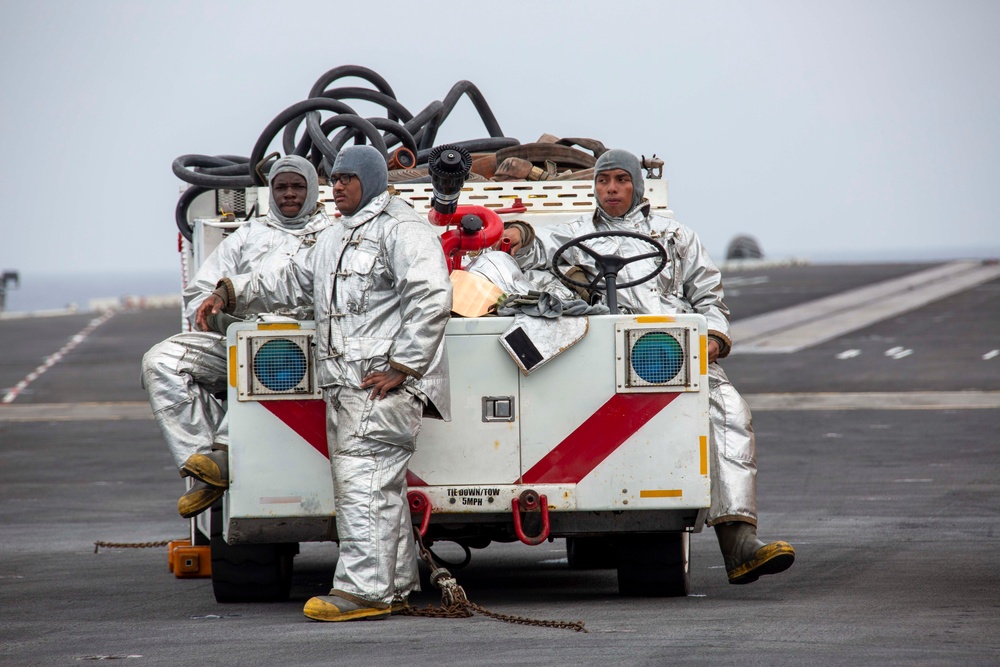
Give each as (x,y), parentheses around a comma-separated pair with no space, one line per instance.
(654,565)
(590,553)
(249,572)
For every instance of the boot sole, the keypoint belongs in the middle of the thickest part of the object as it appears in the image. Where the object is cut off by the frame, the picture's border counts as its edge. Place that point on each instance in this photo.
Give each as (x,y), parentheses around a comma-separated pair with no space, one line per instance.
(334,616)
(208,473)
(189,511)
(770,559)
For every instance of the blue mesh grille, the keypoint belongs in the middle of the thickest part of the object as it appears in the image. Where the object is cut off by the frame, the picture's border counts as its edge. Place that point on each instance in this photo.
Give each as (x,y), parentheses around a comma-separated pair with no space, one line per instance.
(657,357)
(279,364)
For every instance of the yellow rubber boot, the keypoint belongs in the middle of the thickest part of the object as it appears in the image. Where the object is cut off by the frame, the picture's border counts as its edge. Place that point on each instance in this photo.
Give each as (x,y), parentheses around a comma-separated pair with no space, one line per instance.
(211,468)
(341,606)
(747,558)
(198,499)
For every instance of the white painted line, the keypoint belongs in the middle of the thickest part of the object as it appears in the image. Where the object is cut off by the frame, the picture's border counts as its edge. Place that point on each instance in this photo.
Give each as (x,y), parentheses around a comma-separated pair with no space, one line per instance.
(910,400)
(992,354)
(849,354)
(796,328)
(61,412)
(893,351)
(902,353)
(914,400)
(55,358)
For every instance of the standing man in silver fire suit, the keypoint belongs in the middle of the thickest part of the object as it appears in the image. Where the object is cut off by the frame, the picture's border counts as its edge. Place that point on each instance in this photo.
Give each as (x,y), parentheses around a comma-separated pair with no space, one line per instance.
(380,285)
(182,374)
(690,283)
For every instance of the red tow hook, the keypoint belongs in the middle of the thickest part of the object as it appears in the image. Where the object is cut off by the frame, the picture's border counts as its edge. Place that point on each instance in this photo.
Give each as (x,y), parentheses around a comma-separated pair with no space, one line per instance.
(420,504)
(531,501)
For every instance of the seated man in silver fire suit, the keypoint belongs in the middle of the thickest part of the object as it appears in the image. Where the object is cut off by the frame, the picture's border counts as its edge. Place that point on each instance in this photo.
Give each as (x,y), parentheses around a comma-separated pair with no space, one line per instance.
(382,296)
(182,374)
(690,283)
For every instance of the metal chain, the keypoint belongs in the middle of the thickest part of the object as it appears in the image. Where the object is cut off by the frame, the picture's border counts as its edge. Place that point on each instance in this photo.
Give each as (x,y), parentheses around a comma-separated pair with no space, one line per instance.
(129,545)
(455,604)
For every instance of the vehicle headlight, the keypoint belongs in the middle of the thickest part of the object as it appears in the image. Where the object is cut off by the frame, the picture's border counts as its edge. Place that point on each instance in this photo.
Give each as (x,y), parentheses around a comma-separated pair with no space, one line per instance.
(279,365)
(657,357)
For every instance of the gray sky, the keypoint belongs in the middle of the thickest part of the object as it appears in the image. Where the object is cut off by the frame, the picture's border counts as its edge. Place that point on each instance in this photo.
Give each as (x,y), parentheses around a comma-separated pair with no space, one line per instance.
(851,129)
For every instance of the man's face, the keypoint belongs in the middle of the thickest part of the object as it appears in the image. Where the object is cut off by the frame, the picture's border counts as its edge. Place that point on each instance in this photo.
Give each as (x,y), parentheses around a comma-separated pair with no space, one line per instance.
(614,191)
(347,195)
(289,191)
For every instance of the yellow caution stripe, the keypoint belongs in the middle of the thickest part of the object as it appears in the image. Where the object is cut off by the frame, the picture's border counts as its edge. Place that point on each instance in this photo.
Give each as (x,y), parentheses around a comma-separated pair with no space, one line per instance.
(703,448)
(652,319)
(704,355)
(232,366)
(661,493)
(274,326)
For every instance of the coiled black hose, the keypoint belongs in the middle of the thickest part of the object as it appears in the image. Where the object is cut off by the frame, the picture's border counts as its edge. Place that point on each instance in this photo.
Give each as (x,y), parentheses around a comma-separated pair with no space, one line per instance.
(415,132)
(354,123)
(181,210)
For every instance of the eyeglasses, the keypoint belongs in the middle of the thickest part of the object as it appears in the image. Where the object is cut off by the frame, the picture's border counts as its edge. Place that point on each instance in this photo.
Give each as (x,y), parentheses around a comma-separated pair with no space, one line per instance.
(343,179)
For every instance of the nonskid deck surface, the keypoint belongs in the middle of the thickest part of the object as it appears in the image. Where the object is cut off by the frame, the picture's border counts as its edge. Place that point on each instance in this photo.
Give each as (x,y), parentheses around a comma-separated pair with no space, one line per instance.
(878,455)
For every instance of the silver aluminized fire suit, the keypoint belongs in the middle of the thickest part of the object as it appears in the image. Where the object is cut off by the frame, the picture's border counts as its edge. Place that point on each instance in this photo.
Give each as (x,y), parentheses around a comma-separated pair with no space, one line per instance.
(182,374)
(382,299)
(689,283)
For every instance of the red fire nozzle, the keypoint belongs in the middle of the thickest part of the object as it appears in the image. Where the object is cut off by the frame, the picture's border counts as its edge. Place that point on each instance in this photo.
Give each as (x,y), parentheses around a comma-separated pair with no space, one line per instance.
(477,228)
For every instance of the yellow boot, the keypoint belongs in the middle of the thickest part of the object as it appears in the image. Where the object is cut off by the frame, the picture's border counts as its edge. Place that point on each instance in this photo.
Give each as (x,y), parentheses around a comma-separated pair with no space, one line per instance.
(341,606)
(198,499)
(211,468)
(747,558)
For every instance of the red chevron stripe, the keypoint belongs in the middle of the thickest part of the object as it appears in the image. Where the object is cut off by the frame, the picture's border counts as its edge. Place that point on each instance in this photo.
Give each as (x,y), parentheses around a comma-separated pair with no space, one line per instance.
(595,439)
(308,420)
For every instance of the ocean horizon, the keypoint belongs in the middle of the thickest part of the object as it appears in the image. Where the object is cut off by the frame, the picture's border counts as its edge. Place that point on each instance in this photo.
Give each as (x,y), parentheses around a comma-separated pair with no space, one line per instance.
(38,291)
(41,290)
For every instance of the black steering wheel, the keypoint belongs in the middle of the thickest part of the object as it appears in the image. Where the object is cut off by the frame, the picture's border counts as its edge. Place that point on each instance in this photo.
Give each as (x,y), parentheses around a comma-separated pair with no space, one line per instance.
(610,265)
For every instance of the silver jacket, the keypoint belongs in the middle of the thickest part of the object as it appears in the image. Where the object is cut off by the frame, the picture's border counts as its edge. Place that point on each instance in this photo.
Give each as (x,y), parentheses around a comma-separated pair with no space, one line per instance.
(689,283)
(262,244)
(382,297)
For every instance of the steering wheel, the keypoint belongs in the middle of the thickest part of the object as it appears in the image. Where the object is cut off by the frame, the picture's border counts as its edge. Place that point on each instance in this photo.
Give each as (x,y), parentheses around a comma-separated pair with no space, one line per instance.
(610,265)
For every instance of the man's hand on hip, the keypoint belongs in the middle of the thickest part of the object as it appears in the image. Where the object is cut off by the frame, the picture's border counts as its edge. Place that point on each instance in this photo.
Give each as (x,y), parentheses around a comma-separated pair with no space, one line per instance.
(382,381)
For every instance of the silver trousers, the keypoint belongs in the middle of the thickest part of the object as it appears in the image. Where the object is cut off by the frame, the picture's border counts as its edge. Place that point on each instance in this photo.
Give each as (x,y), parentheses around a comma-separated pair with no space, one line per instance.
(734,453)
(371,442)
(180,376)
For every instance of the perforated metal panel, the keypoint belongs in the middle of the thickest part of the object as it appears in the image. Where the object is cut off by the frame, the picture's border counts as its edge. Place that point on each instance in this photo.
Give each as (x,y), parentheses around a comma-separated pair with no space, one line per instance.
(235,201)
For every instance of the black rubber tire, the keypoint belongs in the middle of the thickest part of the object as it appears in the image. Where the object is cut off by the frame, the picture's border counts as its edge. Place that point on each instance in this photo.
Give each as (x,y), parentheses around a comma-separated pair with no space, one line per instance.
(249,572)
(590,553)
(654,565)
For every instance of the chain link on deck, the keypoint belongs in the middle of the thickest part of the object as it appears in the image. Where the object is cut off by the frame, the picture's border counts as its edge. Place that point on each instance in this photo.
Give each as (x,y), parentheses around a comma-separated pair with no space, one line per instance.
(455,604)
(129,545)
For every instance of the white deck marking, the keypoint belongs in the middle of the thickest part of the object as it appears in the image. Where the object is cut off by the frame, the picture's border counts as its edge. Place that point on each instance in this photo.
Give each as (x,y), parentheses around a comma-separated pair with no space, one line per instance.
(848,354)
(913,400)
(991,355)
(63,412)
(868,400)
(53,359)
(798,327)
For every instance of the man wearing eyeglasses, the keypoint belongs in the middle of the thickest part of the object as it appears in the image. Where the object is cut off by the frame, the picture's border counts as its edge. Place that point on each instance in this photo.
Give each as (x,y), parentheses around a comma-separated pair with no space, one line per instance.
(382,296)
(182,374)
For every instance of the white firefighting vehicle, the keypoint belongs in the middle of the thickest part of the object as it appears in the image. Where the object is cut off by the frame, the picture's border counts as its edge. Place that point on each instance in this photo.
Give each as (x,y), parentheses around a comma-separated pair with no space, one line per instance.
(604,443)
